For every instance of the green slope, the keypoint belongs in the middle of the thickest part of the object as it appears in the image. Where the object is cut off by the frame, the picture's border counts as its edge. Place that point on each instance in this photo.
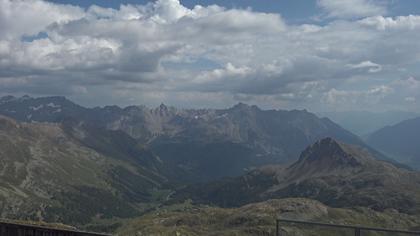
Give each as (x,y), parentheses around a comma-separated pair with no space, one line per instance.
(66,174)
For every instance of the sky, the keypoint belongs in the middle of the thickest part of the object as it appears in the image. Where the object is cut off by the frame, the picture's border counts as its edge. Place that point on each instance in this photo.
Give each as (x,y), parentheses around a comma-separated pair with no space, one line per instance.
(320,55)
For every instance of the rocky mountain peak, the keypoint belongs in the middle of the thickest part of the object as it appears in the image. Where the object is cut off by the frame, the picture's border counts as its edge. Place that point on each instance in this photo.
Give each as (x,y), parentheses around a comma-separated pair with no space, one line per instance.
(322,148)
(241,106)
(162,106)
(329,155)
(163,109)
(25,97)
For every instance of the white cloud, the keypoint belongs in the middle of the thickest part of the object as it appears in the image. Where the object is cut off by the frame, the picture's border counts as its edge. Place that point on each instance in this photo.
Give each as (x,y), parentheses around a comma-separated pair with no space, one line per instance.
(411,22)
(352,8)
(229,72)
(22,17)
(164,48)
(169,11)
(370,66)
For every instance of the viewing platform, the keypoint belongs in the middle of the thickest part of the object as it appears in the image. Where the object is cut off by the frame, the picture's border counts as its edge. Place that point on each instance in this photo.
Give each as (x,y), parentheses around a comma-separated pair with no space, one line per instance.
(355,230)
(18,229)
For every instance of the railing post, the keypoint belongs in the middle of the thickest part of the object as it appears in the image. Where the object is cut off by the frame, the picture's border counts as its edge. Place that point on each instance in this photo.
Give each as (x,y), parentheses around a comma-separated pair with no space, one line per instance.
(356,228)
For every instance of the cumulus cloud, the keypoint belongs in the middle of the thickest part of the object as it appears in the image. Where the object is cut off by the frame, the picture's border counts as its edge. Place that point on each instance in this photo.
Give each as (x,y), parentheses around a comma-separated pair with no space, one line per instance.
(410,22)
(21,17)
(164,51)
(352,8)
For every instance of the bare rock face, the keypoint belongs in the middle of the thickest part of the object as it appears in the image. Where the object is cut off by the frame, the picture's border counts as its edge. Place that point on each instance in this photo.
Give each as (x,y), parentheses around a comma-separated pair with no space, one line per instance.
(328,157)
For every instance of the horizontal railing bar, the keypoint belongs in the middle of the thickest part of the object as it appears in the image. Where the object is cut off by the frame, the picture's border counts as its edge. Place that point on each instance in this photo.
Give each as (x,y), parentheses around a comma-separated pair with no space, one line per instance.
(42,227)
(348,226)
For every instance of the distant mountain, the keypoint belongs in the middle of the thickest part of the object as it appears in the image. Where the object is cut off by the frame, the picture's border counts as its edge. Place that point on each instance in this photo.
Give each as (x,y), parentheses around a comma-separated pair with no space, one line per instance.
(205,144)
(73,174)
(43,109)
(218,143)
(364,123)
(400,141)
(334,173)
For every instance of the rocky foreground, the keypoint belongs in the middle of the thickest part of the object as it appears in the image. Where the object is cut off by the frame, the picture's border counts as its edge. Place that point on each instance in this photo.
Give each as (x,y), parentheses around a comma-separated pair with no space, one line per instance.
(259,219)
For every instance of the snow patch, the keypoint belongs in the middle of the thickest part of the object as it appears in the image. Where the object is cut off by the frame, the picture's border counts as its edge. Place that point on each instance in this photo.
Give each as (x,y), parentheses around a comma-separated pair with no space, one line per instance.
(51,104)
(221,116)
(36,108)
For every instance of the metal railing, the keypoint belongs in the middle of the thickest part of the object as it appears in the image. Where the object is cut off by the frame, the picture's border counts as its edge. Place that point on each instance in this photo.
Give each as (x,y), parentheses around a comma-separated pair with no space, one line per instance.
(355,228)
(17,229)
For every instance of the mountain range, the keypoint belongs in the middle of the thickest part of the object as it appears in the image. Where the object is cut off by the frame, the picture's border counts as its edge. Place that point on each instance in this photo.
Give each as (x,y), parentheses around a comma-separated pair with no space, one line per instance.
(101,168)
(399,141)
(363,123)
(205,144)
(334,173)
